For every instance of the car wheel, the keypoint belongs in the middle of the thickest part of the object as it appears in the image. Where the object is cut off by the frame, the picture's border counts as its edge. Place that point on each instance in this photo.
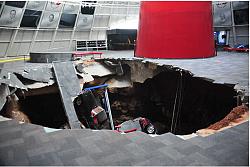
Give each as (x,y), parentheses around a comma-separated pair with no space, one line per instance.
(150,129)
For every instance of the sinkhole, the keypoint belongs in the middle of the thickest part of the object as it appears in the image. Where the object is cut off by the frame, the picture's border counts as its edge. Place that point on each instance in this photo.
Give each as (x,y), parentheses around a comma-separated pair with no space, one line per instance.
(171,98)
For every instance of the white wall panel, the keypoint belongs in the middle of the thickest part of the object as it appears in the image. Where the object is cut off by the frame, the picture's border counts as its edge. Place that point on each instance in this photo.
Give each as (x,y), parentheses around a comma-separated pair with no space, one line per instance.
(36,5)
(70,8)
(94,35)
(120,11)
(61,35)
(44,35)
(73,46)
(53,6)
(81,35)
(5,35)
(23,35)
(3,48)
(61,46)
(103,10)
(123,22)
(24,48)
(14,49)
(133,11)
(102,35)
(98,35)
(101,21)
(116,20)
(41,46)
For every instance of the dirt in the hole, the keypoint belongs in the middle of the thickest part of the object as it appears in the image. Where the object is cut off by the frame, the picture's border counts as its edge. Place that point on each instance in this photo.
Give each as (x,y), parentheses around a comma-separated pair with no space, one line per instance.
(13,110)
(235,114)
(125,106)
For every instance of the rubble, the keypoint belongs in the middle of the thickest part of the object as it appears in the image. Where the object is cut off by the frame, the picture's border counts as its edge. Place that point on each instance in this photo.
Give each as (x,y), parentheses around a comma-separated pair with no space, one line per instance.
(38,74)
(4,92)
(98,69)
(69,88)
(11,80)
(237,116)
(233,116)
(37,85)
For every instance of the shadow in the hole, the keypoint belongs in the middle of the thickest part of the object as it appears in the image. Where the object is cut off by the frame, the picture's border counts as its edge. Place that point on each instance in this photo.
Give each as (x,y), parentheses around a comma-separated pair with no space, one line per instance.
(196,103)
(46,110)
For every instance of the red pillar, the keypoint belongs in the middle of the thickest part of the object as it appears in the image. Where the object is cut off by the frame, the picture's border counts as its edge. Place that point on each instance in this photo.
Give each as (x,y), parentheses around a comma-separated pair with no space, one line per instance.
(175,30)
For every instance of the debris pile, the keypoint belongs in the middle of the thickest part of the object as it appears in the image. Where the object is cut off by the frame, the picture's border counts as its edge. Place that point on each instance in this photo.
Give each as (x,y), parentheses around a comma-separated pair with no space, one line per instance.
(233,116)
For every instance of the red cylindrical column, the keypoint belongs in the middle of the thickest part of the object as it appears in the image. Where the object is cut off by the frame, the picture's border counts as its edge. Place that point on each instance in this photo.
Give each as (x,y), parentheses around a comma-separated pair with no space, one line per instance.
(175,30)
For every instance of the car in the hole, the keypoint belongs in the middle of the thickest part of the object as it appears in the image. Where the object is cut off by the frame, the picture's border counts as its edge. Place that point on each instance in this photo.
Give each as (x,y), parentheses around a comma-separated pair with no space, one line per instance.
(138,124)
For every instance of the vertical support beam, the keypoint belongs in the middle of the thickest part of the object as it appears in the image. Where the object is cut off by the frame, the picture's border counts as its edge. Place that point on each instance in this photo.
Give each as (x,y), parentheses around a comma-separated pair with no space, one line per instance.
(91,29)
(233,24)
(96,42)
(127,12)
(14,34)
(109,109)
(110,18)
(37,29)
(227,38)
(55,31)
(74,29)
(1,9)
(111,12)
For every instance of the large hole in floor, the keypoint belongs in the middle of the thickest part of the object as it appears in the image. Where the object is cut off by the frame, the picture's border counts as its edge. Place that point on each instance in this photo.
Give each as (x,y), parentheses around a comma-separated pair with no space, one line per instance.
(180,104)
(46,110)
(173,101)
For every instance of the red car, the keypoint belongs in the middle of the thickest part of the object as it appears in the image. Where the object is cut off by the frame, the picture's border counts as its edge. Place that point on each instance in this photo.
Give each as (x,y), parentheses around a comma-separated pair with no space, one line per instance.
(138,124)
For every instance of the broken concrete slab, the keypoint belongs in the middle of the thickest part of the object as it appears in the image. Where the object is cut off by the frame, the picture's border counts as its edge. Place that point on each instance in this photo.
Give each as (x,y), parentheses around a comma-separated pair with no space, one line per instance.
(40,72)
(119,82)
(85,77)
(65,72)
(98,69)
(11,80)
(4,92)
(37,85)
(149,70)
(37,74)
(69,88)
(116,66)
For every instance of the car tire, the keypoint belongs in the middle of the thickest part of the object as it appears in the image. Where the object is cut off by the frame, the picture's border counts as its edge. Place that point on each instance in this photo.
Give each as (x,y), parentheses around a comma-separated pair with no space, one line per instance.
(150,129)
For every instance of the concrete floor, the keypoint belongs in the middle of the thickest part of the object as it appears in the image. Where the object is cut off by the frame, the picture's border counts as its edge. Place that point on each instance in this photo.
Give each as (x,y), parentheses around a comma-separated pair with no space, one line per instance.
(27,144)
